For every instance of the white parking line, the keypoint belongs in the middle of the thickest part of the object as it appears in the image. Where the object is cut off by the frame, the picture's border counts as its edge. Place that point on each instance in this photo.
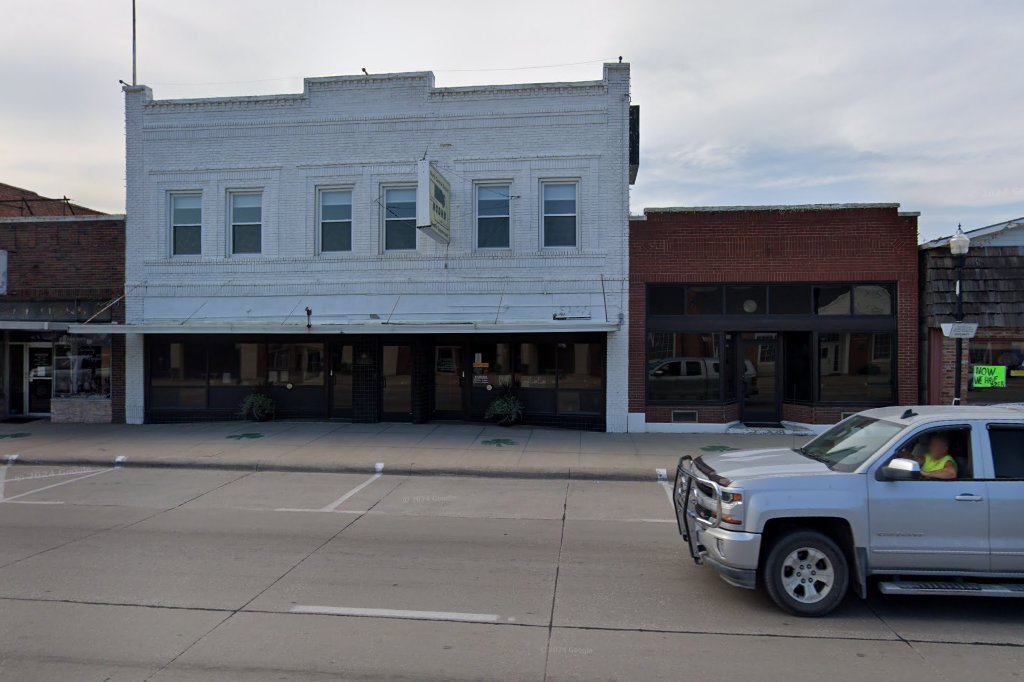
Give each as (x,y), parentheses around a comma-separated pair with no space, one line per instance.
(668,491)
(55,485)
(397,613)
(333,506)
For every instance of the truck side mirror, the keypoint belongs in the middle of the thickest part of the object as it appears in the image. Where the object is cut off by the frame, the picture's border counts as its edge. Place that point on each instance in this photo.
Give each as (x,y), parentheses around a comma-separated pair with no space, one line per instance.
(901,469)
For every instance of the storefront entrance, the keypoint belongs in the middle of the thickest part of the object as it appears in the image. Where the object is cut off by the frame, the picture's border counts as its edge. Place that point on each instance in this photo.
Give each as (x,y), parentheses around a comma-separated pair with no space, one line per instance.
(760,403)
(450,394)
(396,382)
(31,378)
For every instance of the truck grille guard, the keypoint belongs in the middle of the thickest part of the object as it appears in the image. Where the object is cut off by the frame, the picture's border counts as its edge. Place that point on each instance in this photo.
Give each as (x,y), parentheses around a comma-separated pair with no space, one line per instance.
(689,514)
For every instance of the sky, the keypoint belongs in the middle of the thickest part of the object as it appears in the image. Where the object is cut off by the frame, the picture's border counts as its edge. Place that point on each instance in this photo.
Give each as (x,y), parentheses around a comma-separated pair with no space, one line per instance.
(742,102)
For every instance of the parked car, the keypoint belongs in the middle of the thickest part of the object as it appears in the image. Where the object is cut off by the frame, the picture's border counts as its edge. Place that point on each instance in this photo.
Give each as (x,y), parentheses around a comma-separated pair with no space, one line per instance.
(692,378)
(810,523)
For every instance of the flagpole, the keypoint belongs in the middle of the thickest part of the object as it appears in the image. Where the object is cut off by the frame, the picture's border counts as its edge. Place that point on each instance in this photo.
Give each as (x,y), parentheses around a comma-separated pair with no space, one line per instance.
(135,80)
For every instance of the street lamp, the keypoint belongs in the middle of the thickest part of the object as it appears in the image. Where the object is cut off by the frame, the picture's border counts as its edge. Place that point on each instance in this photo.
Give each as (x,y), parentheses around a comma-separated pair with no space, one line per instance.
(959,244)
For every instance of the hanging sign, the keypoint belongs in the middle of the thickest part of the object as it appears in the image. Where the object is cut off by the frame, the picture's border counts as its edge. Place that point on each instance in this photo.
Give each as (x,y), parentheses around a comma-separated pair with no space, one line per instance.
(989,376)
(959,330)
(433,203)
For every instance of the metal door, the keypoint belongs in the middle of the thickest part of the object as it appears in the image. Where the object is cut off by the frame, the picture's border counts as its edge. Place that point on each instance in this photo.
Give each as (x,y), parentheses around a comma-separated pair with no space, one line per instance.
(928,525)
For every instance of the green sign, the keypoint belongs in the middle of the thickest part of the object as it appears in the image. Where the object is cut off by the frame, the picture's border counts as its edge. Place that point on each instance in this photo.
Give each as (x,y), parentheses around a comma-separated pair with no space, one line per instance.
(989,376)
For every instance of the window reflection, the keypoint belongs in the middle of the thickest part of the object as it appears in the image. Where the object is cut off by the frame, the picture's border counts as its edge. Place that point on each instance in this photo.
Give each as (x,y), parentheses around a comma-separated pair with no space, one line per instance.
(856,367)
(683,366)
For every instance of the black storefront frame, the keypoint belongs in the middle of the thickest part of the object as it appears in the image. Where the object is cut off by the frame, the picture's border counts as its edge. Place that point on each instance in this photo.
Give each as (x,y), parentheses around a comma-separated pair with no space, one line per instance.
(737,324)
(368,349)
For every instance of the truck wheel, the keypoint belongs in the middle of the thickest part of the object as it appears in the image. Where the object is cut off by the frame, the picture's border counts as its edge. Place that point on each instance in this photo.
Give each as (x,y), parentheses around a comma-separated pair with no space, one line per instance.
(806,573)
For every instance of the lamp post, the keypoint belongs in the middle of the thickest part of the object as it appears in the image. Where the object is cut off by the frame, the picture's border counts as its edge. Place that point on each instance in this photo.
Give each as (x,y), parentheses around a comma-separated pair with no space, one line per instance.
(958,246)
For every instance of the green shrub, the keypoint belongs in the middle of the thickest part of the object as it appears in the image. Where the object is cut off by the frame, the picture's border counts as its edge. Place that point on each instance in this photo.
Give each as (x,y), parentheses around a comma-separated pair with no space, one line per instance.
(506,409)
(258,407)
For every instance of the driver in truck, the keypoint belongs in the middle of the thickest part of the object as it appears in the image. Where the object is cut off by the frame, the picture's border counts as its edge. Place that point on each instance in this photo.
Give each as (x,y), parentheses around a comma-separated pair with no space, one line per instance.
(937,463)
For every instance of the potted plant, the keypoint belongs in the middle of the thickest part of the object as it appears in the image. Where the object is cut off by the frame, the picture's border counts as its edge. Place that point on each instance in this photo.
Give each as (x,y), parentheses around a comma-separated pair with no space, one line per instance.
(258,406)
(507,409)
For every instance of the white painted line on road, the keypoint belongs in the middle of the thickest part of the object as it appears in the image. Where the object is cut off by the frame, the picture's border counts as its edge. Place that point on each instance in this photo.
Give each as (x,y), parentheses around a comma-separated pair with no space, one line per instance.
(319,511)
(13,501)
(32,477)
(119,460)
(338,502)
(396,613)
(668,491)
(55,485)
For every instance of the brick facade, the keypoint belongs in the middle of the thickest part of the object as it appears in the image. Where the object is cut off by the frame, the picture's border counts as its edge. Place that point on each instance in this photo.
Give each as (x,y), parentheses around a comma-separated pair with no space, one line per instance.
(70,258)
(797,244)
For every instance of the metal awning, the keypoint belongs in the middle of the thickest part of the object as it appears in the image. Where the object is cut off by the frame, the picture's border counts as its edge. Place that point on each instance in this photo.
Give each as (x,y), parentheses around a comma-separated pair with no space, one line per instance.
(440,327)
(37,325)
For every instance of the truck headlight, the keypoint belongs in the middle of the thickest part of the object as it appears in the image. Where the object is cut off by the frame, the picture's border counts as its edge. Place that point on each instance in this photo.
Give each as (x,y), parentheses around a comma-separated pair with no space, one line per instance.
(732,507)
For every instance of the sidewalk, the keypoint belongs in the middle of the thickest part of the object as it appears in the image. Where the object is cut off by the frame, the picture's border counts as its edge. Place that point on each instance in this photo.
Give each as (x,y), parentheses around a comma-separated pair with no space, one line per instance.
(437,449)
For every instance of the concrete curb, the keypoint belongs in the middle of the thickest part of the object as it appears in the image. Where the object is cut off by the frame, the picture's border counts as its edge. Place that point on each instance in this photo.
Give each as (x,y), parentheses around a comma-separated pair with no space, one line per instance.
(579,473)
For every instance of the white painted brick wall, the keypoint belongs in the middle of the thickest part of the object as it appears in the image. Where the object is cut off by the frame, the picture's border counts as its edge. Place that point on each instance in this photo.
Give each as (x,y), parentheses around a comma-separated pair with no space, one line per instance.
(364,133)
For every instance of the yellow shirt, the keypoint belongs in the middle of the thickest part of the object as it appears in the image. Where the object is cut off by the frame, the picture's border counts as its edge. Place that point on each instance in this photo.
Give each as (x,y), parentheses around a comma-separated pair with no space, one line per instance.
(931,465)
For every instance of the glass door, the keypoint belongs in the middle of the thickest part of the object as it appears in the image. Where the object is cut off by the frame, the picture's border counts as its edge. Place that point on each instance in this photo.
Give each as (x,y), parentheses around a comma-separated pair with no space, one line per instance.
(758,379)
(17,378)
(40,378)
(396,382)
(340,382)
(449,382)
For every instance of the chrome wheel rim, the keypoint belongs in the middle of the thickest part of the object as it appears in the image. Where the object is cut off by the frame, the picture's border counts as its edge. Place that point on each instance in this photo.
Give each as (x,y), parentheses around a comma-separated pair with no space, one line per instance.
(807,575)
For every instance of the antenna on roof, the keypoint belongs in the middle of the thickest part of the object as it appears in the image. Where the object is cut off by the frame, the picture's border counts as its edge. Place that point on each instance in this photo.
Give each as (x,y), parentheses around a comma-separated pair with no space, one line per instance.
(135,80)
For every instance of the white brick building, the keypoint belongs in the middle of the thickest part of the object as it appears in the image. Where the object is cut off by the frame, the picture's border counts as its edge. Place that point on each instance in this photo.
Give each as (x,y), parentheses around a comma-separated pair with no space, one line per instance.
(272,241)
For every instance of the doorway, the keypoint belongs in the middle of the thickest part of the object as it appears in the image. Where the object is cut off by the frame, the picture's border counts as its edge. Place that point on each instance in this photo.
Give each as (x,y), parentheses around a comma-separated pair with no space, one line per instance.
(339,382)
(758,379)
(449,382)
(31,378)
(396,382)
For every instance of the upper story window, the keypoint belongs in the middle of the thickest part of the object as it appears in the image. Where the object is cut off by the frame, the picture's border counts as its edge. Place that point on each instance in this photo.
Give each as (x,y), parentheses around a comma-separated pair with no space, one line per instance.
(560,213)
(246,222)
(186,224)
(492,216)
(335,220)
(400,219)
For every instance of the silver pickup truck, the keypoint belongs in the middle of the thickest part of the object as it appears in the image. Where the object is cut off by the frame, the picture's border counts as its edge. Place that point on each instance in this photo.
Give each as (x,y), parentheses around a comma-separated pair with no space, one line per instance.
(809,523)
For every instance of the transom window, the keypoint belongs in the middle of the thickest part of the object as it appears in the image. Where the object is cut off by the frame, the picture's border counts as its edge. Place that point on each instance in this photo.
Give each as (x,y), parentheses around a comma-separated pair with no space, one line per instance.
(186,224)
(560,214)
(246,223)
(335,220)
(492,216)
(400,219)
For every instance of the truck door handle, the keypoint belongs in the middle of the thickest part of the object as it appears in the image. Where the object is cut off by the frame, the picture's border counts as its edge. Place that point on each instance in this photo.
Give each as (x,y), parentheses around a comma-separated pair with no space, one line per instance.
(968,497)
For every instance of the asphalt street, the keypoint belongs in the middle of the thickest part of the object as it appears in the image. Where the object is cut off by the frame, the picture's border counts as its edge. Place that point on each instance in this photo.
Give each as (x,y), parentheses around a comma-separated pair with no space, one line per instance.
(184,574)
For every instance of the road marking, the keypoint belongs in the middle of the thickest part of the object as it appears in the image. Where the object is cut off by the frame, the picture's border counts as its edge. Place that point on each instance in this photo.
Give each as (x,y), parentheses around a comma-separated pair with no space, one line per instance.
(32,477)
(333,506)
(55,485)
(396,613)
(318,511)
(668,491)
(3,477)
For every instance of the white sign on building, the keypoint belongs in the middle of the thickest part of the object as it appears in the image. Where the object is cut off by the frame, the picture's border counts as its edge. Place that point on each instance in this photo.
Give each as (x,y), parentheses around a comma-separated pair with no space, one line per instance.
(433,203)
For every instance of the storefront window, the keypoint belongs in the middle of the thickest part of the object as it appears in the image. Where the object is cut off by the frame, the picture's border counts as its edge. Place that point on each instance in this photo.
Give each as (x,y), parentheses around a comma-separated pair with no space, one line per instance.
(237,364)
(683,367)
(666,300)
(580,373)
(746,300)
(82,367)
(832,300)
(1001,353)
(790,299)
(177,374)
(872,299)
(705,300)
(856,368)
(299,364)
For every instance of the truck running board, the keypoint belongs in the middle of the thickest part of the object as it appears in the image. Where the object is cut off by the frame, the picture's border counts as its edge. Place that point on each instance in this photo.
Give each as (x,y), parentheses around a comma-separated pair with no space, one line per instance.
(925,587)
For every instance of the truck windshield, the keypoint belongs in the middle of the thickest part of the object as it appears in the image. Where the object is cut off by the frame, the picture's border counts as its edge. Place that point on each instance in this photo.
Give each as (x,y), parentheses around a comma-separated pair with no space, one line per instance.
(849,444)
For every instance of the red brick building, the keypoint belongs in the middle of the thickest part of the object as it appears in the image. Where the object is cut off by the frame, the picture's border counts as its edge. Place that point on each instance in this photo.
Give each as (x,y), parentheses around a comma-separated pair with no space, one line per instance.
(16,202)
(765,314)
(58,269)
